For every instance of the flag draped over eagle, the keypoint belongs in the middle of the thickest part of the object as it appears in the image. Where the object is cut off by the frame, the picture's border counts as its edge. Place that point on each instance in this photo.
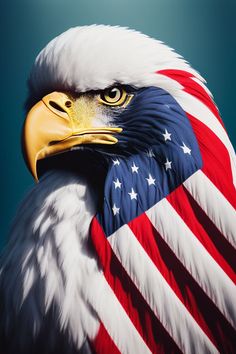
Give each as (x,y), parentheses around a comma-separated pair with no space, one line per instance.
(164,238)
(135,253)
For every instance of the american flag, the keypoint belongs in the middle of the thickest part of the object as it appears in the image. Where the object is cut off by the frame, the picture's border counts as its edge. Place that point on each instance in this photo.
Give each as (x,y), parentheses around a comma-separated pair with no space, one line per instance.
(165,238)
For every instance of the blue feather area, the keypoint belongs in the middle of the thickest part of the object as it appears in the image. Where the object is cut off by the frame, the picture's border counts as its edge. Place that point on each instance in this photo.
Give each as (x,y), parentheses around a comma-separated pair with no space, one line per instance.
(162,153)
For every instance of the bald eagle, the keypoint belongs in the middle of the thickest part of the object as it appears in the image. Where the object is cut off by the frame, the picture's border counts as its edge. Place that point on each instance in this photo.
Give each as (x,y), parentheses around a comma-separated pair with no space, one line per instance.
(126,242)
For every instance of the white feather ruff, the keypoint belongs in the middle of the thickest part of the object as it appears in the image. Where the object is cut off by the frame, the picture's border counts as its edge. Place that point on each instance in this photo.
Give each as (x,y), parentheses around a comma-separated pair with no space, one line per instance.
(100,56)
(46,264)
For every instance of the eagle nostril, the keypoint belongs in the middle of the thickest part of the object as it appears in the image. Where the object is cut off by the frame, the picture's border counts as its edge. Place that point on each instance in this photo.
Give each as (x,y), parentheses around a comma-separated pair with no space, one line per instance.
(56,106)
(68,104)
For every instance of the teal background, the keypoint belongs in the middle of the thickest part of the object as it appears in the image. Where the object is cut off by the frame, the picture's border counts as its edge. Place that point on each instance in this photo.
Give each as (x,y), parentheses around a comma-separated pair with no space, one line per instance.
(203,31)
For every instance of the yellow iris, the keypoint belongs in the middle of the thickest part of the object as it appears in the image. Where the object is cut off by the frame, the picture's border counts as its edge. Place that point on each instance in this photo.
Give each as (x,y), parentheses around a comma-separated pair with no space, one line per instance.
(114,96)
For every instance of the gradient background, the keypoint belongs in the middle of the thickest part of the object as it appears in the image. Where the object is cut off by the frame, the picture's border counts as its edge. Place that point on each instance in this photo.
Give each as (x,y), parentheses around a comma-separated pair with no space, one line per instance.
(203,31)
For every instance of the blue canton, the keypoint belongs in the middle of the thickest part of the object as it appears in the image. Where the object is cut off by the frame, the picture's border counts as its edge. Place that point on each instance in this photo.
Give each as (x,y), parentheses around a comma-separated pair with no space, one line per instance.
(168,156)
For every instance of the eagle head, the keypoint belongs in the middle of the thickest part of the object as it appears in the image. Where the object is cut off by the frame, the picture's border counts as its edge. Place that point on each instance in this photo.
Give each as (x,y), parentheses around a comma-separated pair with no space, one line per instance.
(99,89)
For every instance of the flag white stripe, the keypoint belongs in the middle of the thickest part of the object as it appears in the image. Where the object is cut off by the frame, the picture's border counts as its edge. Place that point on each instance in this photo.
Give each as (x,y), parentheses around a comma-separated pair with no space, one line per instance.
(201,112)
(215,205)
(191,253)
(115,319)
(158,294)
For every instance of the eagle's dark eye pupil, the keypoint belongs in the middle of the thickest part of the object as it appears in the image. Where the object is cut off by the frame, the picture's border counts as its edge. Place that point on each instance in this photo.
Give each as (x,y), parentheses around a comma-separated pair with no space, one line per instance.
(113,92)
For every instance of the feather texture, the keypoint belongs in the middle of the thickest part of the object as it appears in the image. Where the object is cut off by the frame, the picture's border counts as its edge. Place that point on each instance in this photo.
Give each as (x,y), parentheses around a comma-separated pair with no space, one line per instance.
(100,56)
(46,267)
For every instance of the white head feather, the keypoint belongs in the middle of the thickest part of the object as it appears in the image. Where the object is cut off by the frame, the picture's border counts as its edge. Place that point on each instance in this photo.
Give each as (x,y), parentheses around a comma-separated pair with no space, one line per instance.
(100,56)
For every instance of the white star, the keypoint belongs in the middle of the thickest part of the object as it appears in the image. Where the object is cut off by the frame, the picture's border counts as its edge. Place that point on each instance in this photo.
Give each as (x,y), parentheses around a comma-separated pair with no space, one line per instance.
(116,162)
(168,164)
(150,180)
(117,183)
(186,149)
(132,194)
(150,153)
(166,135)
(115,210)
(134,168)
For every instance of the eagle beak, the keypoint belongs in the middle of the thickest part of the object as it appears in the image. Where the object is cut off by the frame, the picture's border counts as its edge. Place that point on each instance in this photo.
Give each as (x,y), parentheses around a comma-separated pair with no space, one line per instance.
(57,123)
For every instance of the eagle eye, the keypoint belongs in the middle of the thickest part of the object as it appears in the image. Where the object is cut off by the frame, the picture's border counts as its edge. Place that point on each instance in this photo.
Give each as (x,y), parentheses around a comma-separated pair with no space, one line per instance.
(113,96)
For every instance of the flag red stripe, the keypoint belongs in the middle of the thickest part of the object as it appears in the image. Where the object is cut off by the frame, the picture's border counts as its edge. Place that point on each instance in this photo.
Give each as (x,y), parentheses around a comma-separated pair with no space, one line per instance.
(226,250)
(147,324)
(185,287)
(193,88)
(216,161)
(103,344)
(217,169)
(204,229)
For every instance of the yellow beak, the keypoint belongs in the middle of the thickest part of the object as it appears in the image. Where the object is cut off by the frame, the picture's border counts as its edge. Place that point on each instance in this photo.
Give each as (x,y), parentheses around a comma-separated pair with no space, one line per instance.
(57,123)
